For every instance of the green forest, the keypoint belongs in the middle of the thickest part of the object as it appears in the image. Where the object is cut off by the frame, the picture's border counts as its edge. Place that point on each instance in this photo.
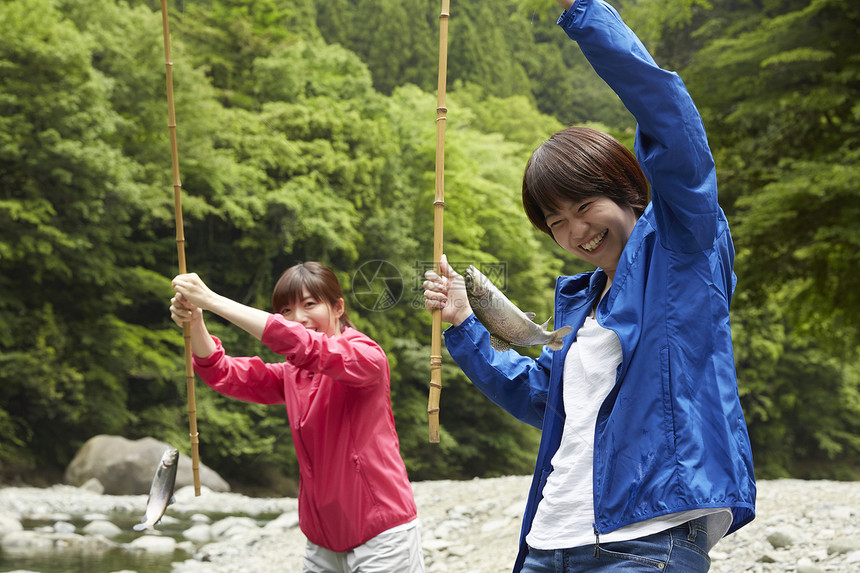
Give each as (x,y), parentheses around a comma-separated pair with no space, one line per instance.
(306,131)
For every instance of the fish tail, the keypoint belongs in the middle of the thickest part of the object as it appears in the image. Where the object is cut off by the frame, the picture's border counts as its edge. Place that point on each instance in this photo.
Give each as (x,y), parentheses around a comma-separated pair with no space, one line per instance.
(557,337)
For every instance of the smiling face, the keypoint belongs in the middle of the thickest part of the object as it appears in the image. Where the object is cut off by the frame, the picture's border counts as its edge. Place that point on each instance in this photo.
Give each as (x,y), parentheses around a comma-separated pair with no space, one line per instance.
(595,230)
(310,293)
(315,315)
(585,190)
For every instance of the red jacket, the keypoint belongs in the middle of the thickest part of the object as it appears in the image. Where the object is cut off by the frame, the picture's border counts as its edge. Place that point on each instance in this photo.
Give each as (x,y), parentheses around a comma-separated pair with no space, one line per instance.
(353,483)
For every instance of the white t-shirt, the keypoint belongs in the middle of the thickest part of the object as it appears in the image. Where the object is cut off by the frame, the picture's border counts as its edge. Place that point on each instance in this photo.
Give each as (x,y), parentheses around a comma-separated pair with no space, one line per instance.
(565,515)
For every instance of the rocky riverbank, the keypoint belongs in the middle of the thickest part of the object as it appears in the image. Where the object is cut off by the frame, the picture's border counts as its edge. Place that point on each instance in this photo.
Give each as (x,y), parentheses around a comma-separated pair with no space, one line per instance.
(467,527)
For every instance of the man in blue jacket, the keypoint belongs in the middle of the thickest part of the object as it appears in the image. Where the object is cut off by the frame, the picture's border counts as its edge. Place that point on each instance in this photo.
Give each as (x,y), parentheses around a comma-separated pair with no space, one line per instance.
(645,459)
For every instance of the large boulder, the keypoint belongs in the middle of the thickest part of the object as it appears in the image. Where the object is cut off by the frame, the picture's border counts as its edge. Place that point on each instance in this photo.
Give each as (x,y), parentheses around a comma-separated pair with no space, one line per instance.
(126,467)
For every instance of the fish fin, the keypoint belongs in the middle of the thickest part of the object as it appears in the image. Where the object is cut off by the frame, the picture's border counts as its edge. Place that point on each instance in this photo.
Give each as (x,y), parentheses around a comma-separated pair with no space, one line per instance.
(140,526)
(557,336)
(172,500)
(530,315)
(499,344)
(545,324)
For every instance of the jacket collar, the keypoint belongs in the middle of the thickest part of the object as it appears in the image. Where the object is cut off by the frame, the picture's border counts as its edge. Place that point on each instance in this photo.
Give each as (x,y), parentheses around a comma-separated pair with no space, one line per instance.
(573,292)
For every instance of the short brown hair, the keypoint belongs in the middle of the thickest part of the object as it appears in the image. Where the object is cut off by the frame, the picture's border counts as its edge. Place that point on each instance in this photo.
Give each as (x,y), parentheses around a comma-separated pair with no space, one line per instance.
(321,282)
(577,163)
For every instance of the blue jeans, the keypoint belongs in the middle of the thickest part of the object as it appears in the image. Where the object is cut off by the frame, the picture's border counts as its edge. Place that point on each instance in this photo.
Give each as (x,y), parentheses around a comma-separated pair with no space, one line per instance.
(682,549)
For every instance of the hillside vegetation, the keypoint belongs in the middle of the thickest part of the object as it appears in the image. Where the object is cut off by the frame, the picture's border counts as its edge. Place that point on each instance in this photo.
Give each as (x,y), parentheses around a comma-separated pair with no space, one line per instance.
(306,131)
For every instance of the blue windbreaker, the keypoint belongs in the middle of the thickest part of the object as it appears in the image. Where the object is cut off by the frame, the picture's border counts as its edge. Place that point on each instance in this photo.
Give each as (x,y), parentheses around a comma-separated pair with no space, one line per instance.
(671,434)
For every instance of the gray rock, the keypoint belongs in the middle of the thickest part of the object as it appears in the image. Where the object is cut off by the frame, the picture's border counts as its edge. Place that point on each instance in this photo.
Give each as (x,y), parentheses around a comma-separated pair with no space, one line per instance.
(808,569)
(168,519)
(9,522)
(126,467)
(29,542)
(154,544)
(460,550)
(200,533)
(55,516)
(843,545)
(200,519)
(18,542)
(93,485)
(515,510)
(64,527)
(780,539)
(102,527)
(283,522)
(232,526)
(435,544)
(495,525)
(841,513)
(186,546)
(85,543)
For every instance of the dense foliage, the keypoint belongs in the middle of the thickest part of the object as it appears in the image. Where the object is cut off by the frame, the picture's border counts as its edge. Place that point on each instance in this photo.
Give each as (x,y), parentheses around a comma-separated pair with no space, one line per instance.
(307,132)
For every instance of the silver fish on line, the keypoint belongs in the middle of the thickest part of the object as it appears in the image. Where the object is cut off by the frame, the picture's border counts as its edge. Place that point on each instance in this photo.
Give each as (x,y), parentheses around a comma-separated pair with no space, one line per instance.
(161,491)
(507,324)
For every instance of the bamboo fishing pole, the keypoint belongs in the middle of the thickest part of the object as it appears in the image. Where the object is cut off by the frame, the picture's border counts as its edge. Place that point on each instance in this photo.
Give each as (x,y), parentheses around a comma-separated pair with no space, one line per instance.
(180,247)
(438,210)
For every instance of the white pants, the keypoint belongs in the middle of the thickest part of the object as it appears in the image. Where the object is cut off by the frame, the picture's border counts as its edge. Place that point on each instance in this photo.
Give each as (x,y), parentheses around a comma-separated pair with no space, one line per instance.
(397,550)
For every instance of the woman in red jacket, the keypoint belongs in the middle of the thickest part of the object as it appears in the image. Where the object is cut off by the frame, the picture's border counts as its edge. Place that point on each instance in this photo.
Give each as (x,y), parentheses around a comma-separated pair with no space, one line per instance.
(355,501)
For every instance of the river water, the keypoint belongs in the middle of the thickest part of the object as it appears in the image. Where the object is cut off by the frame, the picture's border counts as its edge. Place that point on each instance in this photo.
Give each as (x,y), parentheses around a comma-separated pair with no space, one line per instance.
(119,559)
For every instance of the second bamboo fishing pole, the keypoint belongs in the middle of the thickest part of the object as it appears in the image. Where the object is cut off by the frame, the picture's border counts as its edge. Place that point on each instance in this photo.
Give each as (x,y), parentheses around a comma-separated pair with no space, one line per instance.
(180,247)
(438,210)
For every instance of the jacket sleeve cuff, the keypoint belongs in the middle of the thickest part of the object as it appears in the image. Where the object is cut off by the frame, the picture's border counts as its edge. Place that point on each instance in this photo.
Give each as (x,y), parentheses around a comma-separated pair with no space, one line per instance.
(455,333)
(568,17)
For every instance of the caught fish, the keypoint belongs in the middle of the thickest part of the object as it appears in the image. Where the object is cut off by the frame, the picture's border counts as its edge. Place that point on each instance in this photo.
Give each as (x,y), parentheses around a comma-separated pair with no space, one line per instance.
(508,325)
(161,491)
